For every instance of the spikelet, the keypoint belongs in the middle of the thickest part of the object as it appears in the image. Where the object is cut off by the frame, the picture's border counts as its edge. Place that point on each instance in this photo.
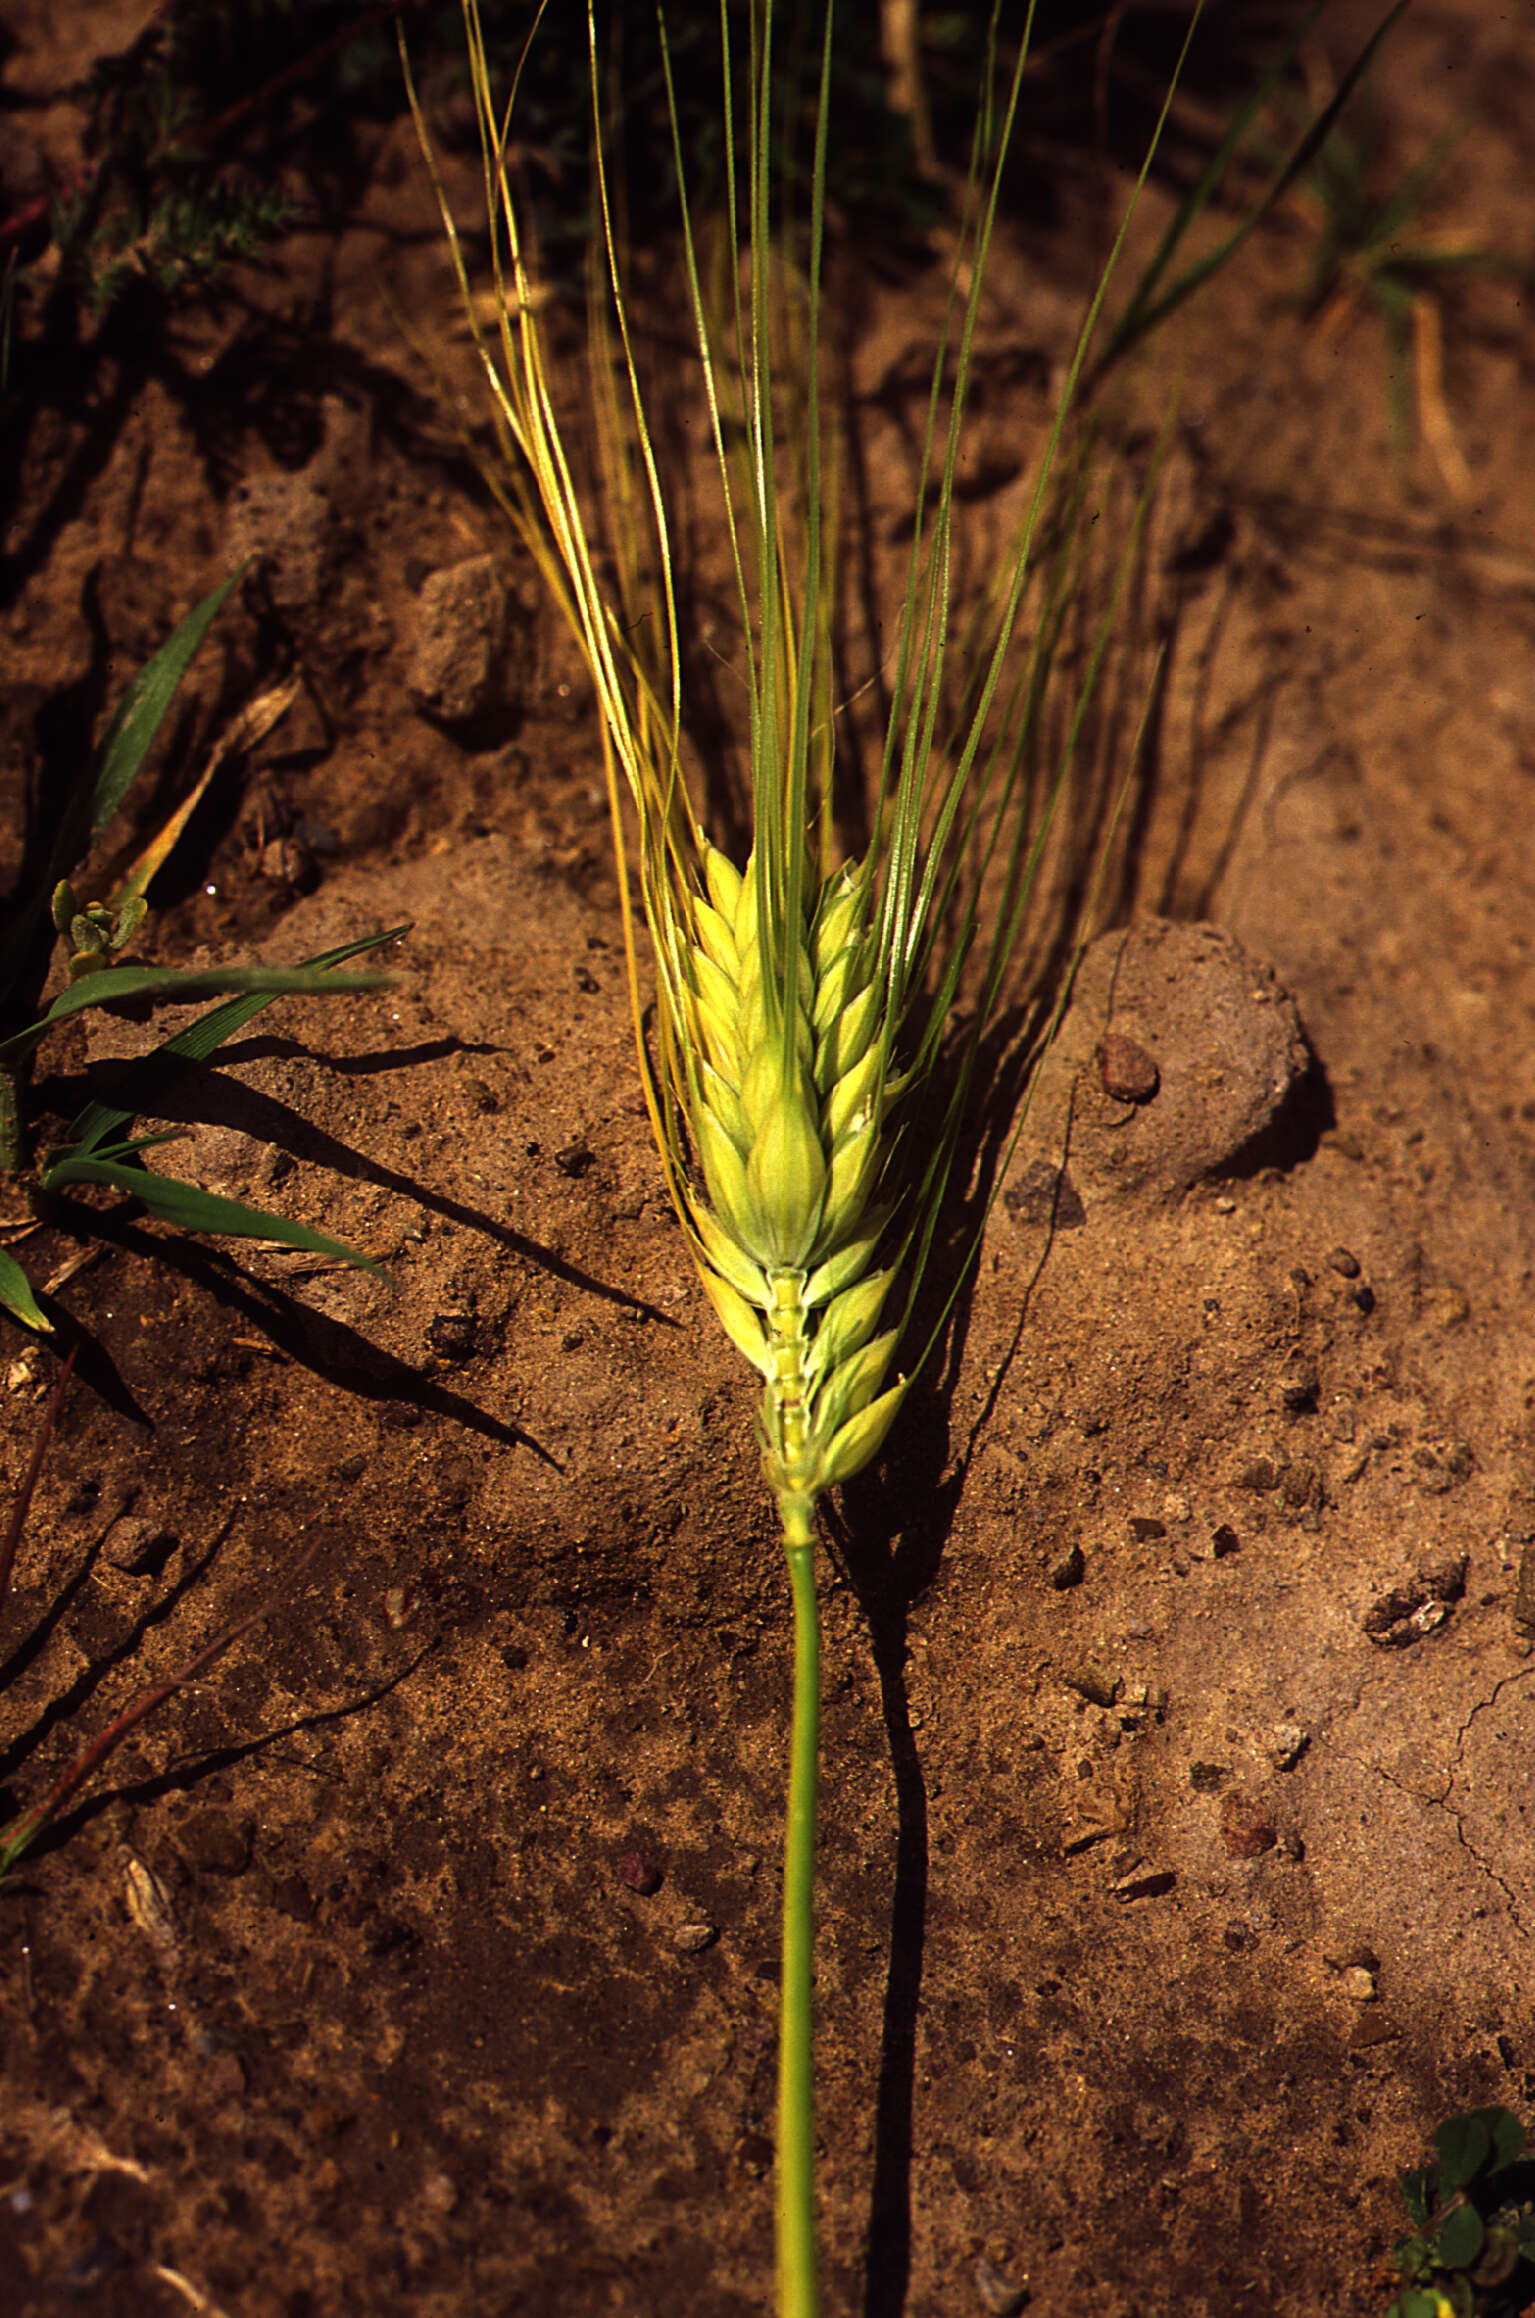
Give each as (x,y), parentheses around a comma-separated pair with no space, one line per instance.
(791,1139)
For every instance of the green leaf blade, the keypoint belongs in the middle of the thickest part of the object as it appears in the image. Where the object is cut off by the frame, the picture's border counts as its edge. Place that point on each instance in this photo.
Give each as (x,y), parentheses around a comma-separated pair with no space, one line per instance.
(146,703)
(16,1296)
(1459,2238)
(1464,2145)
(191,1209)
(203,1037)
(172,986)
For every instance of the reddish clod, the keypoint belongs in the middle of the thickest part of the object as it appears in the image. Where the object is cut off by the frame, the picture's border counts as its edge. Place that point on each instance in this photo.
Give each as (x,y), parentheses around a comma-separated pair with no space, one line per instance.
(637,1873)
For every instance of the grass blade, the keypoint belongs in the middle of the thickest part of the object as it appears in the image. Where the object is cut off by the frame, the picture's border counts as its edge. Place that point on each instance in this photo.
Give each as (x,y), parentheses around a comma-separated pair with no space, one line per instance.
(144,706)
(191,1209)
(209,1032)
(17,1298)
(172,986)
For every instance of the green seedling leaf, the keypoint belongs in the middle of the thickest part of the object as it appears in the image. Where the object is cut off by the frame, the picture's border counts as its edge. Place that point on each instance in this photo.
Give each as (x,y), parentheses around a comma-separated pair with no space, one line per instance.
(143,707)
(166,985)
(17,1298)
(204,1036)
(189,1208)
(1417,2192)
(1464,2145)
(1459,2238)
(124,745)
(1422,2302)
(1411,2256)
(1507,2135)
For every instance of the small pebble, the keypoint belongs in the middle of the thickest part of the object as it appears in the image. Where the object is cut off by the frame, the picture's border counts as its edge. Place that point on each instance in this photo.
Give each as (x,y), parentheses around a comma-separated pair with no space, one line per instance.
(1300,1486)
(1247,1831)
(217,1842)
(1045,1194)
(692,1939)
(1068,1569)
(451,1335)
(1288,1744)
(1296,1390)
(400,1605)
(1225,1541)
(1091,1683)
(1145,1883)
(639,1874)
(1344,1262)
(1128,1072)
(999,2293)
(137,1547)
(1340,1954)
(1358,1984)
(287,862)
(1419,1606)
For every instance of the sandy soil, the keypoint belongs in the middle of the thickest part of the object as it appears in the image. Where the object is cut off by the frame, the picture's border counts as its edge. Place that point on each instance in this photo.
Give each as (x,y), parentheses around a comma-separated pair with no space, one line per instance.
(1177,1854)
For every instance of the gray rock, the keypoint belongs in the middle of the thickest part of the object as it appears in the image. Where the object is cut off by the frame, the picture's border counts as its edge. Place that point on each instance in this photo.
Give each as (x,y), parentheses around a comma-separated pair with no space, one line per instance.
(1230,1058)
(692,1939)
(455,669)
(139,1547)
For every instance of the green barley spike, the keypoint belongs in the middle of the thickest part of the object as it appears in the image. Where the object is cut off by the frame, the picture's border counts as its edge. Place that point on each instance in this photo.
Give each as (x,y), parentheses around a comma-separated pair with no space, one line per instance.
(786,990)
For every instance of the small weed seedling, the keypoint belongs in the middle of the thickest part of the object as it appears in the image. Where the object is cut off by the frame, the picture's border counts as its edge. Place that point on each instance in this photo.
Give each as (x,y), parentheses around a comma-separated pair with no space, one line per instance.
(96,1149)
(1471,2253)
(1373,250)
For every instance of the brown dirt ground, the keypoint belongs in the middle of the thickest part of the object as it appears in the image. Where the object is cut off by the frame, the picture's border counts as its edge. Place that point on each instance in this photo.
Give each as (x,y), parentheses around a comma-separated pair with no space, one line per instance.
(1177,1867)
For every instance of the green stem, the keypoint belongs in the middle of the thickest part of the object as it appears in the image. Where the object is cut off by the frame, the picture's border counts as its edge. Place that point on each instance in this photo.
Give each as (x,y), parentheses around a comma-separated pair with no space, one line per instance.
(797,2293)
